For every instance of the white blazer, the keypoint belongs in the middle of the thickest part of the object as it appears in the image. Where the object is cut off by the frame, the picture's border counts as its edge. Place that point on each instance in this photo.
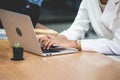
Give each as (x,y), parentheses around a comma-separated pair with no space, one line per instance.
(105,24)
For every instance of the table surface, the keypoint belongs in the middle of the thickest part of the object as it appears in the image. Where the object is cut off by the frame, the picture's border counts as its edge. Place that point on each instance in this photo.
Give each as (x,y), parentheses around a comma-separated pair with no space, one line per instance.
(77,66)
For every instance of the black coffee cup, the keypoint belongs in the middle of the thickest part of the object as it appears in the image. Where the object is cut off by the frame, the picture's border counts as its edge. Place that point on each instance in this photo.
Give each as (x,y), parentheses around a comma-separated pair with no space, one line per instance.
(18,54)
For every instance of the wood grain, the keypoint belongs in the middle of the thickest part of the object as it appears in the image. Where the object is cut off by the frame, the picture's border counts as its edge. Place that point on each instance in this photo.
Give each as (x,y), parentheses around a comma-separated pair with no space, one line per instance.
(78,66)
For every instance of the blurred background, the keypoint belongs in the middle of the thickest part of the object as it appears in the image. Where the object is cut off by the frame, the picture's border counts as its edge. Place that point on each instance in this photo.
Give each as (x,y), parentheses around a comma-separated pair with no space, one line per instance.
(55,14)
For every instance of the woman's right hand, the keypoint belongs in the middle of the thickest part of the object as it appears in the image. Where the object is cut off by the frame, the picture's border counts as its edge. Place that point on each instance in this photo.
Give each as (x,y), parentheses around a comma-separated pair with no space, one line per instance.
(44,39)
(50,40)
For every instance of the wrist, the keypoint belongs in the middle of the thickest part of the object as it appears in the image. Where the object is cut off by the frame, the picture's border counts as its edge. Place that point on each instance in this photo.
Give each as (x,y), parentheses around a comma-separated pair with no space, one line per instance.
(78,45)
(75,44)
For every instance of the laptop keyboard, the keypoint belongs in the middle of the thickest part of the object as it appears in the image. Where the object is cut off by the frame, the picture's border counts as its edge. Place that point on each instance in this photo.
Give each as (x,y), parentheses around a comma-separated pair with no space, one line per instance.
(51,50)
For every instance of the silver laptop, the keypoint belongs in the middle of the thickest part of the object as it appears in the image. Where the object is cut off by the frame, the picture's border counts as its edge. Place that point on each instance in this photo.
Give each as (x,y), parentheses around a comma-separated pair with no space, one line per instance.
(19,28)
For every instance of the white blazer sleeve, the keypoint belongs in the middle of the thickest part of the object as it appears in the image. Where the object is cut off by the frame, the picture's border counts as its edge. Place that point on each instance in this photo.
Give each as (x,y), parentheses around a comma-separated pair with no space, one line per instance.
(80,25)
(103,45)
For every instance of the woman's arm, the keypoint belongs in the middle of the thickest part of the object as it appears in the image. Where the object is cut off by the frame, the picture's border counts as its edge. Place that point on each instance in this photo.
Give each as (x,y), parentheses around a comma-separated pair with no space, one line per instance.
(103,45)
(80,25)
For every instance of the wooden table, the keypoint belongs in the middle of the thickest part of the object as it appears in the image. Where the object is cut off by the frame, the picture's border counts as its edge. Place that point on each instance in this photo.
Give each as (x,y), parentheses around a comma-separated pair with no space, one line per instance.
(78,66)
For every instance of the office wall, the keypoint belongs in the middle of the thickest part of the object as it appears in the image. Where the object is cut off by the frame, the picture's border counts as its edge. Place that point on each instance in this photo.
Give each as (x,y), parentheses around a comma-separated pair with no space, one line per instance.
(58,14)
(58,10)
(49,11)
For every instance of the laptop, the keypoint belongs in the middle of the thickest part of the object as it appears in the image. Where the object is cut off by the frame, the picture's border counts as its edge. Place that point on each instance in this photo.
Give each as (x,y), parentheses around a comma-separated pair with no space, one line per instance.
(19,28)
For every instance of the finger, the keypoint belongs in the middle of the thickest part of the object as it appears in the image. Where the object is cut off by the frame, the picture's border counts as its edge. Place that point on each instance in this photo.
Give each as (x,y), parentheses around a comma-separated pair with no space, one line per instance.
(56,44)
(44,38)
(41,40)
(49,45)
(46,44)
(49,36)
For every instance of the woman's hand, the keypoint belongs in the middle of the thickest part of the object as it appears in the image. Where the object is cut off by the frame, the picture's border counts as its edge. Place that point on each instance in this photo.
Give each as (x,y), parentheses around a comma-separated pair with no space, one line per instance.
(61,40)
(49,41)
(45,39)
